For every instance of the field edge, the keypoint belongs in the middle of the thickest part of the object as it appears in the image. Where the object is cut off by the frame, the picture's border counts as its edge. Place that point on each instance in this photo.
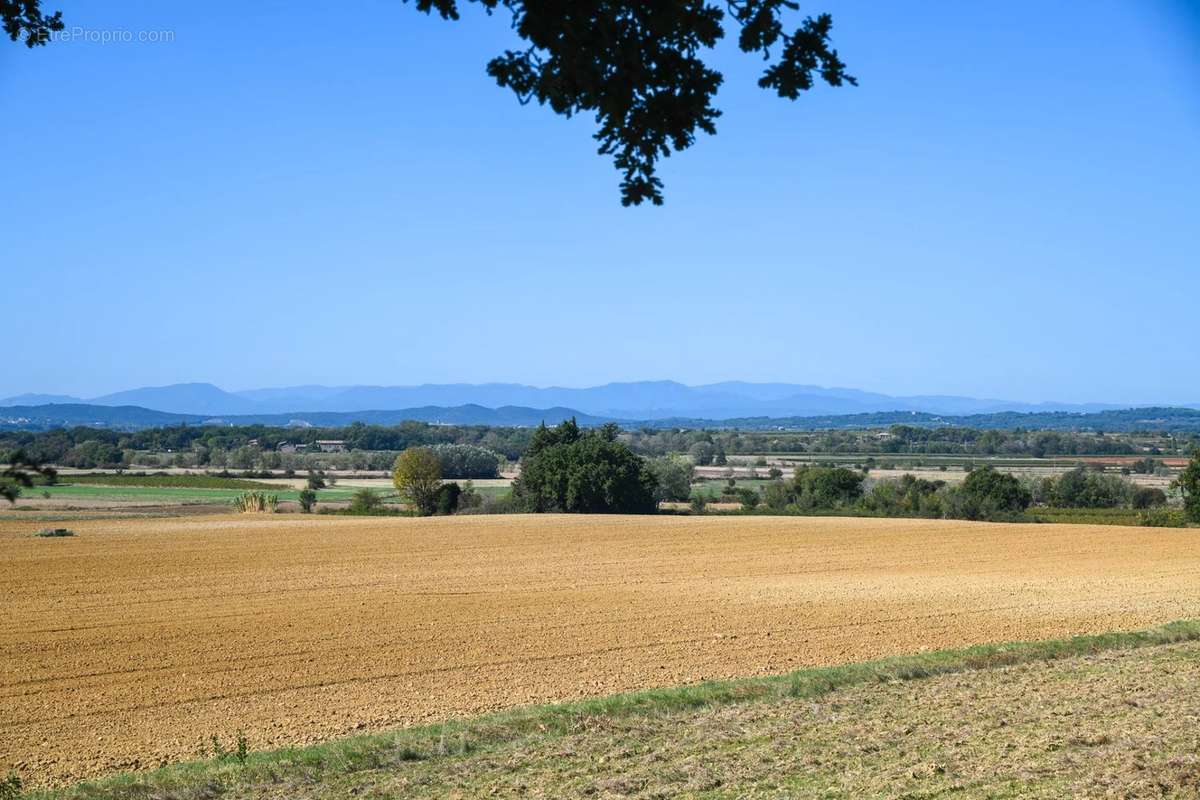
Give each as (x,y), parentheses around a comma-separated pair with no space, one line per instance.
(212,777)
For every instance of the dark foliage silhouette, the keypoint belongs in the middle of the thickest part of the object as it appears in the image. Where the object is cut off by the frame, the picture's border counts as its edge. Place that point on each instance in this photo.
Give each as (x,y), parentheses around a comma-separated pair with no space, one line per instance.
(636,65)
(24,20)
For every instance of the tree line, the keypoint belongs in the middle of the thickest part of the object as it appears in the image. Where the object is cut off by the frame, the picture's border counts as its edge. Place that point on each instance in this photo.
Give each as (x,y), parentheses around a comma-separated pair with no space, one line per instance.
(250,446)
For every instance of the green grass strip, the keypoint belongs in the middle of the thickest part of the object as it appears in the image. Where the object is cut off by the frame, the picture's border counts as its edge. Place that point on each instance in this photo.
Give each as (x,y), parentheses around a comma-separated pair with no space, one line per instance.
(214,777)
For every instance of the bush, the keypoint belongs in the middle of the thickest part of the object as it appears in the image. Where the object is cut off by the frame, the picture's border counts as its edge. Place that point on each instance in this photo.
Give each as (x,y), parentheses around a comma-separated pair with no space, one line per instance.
(447,497)
(308,499)
(10,787)
(469,499)
(1161,518)
(748,498)
(1148,497)
(54,532)
(256,503)
(698,503)
(365,501)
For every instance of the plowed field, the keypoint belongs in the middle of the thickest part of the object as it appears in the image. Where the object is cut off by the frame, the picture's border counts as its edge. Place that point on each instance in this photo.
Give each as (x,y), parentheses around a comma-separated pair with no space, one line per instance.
(128,644)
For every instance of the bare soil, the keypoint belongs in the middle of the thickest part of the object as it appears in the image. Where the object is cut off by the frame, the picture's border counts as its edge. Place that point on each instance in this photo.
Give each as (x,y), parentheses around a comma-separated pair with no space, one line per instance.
(127,645)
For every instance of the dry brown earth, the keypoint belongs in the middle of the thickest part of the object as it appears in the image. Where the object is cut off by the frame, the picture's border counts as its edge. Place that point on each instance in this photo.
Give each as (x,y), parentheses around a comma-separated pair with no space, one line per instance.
(126,645)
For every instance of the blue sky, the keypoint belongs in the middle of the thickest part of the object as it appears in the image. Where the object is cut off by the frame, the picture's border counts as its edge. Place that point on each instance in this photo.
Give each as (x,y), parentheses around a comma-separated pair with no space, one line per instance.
(1007,206)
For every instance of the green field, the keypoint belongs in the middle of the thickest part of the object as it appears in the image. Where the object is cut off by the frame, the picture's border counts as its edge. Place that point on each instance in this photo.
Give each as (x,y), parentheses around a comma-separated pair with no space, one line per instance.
(168,496)
(191,481)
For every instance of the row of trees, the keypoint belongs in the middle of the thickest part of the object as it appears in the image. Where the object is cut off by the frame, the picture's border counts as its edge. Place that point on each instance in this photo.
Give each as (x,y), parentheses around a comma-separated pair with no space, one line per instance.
(985,494)
(565,469)
(1081,488)
(201,444)
(376,446)
(707,445)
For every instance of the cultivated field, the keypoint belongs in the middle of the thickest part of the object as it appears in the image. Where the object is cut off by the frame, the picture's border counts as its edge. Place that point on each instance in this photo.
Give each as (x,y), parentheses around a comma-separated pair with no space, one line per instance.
(129,644)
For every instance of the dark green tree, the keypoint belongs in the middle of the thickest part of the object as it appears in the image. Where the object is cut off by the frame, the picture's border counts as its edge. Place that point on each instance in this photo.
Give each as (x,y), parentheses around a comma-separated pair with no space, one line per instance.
(674,476)
(1189,486)
(1148,497)
(637,66)
(827,487)
(24,20)
(989,494)
(308,499)
(446,500)
(568,470)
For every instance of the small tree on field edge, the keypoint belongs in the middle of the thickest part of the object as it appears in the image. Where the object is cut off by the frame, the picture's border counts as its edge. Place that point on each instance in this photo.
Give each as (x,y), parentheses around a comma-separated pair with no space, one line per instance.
(417,475)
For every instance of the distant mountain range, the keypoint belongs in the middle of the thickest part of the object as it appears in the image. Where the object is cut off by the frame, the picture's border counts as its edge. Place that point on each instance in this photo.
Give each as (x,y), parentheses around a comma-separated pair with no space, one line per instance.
(53,415)
(65,415)
(640,400)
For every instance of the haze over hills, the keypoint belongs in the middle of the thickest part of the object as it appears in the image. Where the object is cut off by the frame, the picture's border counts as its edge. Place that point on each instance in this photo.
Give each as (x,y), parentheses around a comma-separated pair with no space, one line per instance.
(67,415)
(638,400)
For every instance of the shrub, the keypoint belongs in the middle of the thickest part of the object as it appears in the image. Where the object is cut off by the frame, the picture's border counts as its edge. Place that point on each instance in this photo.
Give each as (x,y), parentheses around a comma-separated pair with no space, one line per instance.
(698,503)
(308,499)
(54,532)
(1161,518)
(10,787)
(1148,497)
(749,499)
(365,501)
(447,497)
(256,503)
(469,498)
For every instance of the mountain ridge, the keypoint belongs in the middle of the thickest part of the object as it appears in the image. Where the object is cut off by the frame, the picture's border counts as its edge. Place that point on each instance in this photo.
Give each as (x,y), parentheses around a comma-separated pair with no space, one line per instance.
(49,416)
(622,400)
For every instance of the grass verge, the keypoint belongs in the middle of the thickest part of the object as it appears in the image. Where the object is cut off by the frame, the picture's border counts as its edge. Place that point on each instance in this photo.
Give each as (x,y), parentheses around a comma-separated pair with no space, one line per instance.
(224,776)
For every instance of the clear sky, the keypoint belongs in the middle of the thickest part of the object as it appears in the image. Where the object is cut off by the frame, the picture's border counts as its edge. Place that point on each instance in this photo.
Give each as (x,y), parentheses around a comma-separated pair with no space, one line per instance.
(1007,206)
